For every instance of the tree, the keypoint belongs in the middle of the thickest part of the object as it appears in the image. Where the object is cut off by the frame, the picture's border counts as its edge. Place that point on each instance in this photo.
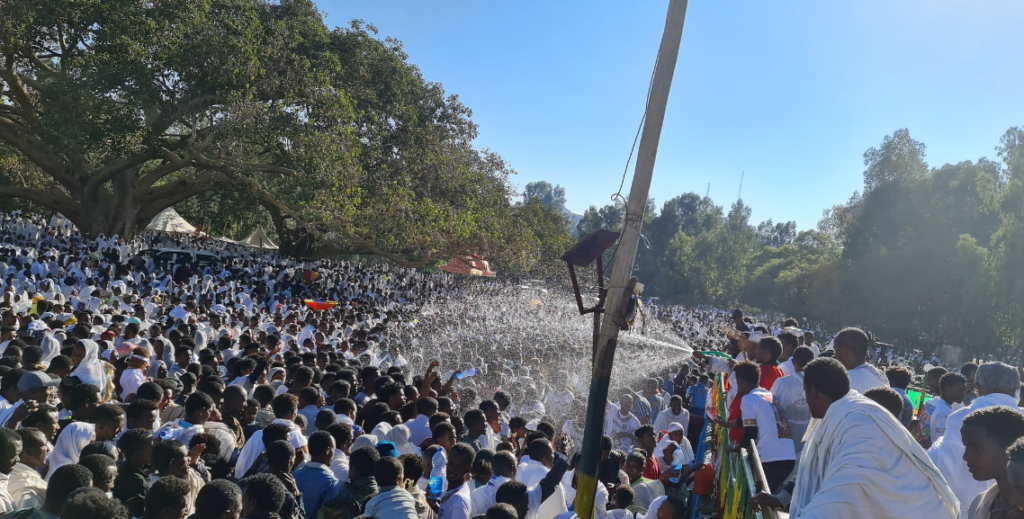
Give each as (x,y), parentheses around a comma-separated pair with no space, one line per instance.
(550,195)
(899,159)
(120,110)
(113,112)
(537,237)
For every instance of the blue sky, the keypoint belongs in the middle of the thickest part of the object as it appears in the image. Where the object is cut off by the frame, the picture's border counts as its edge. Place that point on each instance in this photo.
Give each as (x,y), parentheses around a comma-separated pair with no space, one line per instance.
(792,93)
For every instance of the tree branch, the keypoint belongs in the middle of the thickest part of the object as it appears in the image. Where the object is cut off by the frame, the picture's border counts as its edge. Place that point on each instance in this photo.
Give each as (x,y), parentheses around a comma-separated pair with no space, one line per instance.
(35,59)
(38,152)
(50,199)
(30,82)
(174,163)
(17,88)
(99,177)
(162,123)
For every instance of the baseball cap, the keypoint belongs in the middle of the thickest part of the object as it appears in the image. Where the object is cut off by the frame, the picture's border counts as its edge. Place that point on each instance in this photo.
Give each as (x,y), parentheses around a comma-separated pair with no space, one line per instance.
(34,380)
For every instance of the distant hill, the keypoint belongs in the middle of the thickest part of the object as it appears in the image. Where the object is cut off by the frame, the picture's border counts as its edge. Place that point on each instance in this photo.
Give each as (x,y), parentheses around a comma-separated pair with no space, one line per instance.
(573,218)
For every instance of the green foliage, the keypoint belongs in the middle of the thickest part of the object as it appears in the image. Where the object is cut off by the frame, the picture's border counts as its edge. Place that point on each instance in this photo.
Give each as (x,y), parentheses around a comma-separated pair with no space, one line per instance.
(923,258)
(550,195)
(536,238)
(244,114)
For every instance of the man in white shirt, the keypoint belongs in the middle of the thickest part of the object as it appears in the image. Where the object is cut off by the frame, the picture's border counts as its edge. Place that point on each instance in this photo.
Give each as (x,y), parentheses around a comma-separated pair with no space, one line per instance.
(503,466)
(419,427)
(286,408)
(953,388)
(544,498)
(456,503)
(998,384)
(621,425)
(342,434)
(764,425)
(788,393)
(851,346)
(790,342)
(674,414)
(541,458)
(809,342)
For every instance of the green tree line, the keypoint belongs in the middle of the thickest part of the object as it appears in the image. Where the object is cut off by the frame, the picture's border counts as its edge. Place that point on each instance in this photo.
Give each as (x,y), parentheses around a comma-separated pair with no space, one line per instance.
(923,256)
(245,114)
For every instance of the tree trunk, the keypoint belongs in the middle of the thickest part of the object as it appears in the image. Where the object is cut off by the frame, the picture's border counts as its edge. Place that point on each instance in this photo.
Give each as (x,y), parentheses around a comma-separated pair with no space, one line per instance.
(294,242)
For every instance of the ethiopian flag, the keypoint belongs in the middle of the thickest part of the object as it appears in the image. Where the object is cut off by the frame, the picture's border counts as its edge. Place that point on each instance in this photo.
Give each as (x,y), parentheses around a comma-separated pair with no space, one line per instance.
(317,304)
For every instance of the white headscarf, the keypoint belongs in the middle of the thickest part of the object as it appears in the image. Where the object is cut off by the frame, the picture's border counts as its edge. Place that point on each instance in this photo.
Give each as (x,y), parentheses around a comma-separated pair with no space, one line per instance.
(399,435)
(51,347)
(90,371)
(381,431)
(364,440)
(684,447)
(74,438)
(200,340)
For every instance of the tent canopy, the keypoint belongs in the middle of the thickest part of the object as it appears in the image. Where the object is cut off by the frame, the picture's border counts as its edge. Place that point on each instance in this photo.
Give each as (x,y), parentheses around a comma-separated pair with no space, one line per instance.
(170,221)
(258,240)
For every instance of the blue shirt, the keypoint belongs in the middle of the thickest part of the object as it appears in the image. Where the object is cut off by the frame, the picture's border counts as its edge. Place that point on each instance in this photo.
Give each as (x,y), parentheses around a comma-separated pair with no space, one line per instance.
(310,412)
(698,396)
(317,484)
(907,414)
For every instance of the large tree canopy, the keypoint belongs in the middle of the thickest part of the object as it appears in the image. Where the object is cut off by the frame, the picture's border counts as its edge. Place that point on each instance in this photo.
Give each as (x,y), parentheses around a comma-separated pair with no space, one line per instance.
(122,109)
(111,112)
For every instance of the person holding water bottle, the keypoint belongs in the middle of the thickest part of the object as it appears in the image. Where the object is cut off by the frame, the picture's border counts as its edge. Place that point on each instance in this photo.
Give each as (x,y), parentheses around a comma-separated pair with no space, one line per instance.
(456,502)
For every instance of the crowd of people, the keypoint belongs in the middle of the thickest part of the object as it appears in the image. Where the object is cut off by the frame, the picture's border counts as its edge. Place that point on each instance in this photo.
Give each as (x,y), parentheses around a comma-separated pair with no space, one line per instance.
(839,436)
(263,387)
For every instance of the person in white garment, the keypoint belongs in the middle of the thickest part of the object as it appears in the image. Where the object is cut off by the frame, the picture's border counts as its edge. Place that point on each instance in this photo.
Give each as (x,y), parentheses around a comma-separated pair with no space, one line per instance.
(851,346)
(622,423)
(790,342)
(809,342)
(674,414)
(859,461)
(997,384)
(788,393)
(953,388)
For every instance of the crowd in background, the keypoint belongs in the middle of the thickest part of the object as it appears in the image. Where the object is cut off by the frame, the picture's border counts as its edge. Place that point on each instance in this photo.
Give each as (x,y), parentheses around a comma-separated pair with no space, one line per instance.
(259,387)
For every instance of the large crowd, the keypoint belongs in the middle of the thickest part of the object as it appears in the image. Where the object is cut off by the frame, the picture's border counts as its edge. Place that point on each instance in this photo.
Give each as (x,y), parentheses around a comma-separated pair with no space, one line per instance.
(260,387)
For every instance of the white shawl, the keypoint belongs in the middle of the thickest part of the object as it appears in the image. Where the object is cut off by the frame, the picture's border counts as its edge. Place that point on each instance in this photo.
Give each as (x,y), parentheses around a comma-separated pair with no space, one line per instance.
(74,438)
(948,452)
(90,370)
(859,461)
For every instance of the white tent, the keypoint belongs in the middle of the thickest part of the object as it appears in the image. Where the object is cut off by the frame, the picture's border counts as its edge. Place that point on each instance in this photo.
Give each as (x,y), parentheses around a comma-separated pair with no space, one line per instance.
(258,240)
(170,221)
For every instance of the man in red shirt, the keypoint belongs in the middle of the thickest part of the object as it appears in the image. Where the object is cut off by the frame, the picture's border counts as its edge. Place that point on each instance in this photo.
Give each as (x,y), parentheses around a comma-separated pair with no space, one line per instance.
(647,440)
(767,355)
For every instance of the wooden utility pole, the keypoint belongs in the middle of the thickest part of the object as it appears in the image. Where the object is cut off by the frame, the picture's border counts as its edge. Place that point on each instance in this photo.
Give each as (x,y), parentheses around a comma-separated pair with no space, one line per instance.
(620,288)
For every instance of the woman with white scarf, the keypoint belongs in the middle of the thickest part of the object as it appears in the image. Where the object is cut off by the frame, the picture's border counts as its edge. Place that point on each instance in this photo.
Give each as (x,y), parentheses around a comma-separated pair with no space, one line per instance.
(90,370)
(74,438)
(672,444)
(399,435)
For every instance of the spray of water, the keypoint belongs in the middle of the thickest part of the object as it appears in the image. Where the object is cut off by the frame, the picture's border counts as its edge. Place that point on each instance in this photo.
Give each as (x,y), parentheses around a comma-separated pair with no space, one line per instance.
(532,343)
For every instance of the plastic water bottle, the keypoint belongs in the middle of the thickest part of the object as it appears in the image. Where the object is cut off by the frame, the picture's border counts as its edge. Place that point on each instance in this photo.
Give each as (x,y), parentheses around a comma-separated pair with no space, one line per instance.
(677,464)
(466,373)
(438,484)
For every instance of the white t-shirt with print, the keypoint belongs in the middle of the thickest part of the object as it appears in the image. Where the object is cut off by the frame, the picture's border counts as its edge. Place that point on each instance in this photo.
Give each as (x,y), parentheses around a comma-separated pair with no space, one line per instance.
(774,441)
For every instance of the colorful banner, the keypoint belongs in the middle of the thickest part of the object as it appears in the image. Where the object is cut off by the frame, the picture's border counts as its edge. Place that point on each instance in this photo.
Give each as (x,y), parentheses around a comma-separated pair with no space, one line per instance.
(315,304)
